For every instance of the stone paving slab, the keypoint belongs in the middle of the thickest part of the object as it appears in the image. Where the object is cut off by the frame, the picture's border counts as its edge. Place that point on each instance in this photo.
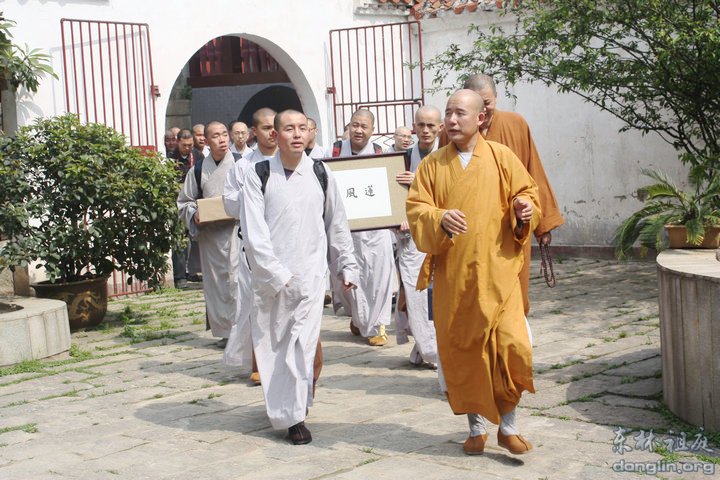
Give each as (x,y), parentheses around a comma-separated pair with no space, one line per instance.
(148,397)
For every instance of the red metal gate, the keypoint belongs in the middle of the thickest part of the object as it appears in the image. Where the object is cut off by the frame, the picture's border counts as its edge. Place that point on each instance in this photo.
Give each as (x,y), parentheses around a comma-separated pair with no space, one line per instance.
(109,77)
(107,68)
(377,67)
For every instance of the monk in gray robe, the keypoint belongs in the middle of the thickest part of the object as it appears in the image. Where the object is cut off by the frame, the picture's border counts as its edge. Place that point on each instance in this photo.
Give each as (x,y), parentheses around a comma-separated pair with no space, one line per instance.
(218,241)
(238,351)
(414,320)
(371,302)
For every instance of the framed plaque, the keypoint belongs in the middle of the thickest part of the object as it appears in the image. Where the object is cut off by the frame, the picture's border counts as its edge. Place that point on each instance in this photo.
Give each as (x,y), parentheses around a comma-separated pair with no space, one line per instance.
(372,197)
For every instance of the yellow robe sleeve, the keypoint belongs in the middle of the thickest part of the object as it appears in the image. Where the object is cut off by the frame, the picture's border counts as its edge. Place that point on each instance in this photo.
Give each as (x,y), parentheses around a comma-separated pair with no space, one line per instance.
(519,185)
(424,213)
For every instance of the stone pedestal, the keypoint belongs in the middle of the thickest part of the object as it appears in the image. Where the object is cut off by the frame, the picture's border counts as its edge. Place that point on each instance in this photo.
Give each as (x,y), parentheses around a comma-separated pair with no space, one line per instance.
(689,301)
(40,329)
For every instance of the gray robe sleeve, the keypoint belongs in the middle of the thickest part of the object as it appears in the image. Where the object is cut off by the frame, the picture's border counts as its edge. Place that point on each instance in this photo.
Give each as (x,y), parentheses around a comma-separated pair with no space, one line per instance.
(232,191)
(187,203)
(340,245)
(269,274)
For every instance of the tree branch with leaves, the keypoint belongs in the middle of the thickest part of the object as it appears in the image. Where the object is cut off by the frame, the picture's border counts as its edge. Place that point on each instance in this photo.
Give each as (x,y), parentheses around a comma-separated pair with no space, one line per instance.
(653,64)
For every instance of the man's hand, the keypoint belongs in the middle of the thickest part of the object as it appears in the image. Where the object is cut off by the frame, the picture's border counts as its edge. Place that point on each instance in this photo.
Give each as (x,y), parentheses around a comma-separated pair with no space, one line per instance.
(196,218)
(453,221)
(544,239)
(523,209)
(293,287)
(404,226)
(348,286)
(405,178)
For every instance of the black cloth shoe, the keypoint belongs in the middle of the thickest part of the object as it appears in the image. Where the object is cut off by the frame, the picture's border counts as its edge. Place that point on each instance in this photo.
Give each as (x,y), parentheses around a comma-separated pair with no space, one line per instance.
(222,343)
(299,434)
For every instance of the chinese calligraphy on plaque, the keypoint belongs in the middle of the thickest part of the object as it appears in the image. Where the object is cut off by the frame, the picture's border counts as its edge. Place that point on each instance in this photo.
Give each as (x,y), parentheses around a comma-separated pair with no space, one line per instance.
(365,192)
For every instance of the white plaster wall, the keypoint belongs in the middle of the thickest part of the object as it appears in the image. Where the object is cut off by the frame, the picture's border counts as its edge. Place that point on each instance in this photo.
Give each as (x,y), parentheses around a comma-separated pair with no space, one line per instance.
(291,31)
(593,169)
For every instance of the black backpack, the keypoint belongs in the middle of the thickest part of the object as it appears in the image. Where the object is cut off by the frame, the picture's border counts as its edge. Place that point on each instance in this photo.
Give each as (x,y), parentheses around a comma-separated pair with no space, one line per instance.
(263,171)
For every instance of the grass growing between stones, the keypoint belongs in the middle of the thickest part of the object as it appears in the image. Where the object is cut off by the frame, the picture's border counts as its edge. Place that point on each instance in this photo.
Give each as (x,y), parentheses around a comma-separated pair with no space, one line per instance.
(77,354)
(677,426)
(27,428)
(50,367)
(69,393)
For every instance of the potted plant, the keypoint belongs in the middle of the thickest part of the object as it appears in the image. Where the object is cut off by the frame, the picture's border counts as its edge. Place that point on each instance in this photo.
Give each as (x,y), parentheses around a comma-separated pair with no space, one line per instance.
(692,219)
(81,203)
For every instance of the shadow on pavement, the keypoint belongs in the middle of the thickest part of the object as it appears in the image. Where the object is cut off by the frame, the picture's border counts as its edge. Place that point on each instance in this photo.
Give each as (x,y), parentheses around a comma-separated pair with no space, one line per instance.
(622,390)
(212,416)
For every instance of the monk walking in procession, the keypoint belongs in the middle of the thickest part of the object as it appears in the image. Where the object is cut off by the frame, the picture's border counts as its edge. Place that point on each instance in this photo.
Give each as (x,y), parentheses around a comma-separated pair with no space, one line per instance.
(293,222)
(471,208)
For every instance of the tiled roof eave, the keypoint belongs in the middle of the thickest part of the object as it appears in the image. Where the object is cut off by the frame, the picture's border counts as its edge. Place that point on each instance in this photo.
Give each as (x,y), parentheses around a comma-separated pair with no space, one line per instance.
(432,8)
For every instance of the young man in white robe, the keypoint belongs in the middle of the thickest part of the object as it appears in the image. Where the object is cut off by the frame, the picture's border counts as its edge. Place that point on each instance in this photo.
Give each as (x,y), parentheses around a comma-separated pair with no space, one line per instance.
(371,302)
(239,349)
(291,225)
(218,242)
(415,320)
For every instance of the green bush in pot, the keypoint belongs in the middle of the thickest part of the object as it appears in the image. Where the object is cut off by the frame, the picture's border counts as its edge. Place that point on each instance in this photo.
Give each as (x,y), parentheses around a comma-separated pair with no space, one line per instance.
(666,204)
(79,201)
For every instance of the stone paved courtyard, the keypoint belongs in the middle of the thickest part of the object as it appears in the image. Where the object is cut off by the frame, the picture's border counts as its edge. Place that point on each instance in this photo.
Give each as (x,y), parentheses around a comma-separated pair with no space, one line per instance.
(147,397)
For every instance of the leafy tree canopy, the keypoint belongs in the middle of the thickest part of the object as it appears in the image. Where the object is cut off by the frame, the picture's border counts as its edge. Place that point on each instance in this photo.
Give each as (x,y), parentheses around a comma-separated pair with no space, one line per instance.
(654,64)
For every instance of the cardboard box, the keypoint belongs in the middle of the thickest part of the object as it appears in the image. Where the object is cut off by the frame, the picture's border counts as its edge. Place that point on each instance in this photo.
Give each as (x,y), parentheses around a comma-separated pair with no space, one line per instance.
(212,210)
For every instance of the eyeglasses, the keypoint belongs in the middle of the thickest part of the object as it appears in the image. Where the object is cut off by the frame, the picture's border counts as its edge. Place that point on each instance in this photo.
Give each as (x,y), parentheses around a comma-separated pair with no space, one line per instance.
(239,134)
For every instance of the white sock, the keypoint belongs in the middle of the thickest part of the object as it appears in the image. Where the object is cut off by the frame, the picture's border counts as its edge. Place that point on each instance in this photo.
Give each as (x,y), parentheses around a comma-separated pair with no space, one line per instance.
(507,425)
(477,424)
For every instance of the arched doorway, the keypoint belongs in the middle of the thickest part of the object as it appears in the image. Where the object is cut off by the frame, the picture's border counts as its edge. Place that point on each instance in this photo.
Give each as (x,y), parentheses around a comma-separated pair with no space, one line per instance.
(277,97)
(229,78)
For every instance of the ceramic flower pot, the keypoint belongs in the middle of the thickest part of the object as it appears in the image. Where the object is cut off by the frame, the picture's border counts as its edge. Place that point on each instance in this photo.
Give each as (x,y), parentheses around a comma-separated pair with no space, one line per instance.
(86,299)
(677,237)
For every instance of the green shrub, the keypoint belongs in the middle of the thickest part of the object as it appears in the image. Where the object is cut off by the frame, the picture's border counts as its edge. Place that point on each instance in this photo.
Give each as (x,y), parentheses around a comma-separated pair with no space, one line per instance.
(79,201)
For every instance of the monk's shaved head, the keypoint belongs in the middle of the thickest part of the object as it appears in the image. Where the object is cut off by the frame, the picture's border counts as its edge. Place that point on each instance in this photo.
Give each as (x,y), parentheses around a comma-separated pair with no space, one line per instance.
(362,126)
(262,114)
(280,117)
(470,99)
(403,131)
(428,111)
(485,87)
(464,113)
(363,113)
(479,82)
(403,138)
(428,123)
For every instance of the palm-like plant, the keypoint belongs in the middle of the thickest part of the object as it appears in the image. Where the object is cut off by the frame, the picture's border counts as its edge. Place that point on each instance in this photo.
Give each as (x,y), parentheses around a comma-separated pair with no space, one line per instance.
(666,204)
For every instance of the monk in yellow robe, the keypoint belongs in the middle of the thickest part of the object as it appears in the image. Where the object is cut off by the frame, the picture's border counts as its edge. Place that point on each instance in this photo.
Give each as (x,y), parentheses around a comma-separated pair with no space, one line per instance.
(511,129)
(471,208)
